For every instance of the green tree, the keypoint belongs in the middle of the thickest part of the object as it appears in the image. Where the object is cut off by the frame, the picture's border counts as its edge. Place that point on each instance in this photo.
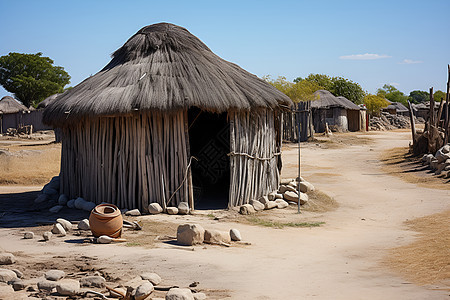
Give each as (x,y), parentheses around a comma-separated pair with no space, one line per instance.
(392,94)
(31,77)
(298,91)
(418,96)
(319,79)
(438,95)
(374,104)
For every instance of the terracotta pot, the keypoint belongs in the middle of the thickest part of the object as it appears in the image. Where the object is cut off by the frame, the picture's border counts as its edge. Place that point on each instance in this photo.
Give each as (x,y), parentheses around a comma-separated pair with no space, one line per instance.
(106,219)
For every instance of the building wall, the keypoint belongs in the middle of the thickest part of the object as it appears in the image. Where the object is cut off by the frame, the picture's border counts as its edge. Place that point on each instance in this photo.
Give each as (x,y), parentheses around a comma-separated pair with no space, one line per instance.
(28,118)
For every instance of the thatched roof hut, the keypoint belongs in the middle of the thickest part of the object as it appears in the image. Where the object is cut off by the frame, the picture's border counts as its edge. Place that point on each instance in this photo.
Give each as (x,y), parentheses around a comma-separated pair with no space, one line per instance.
(44,103)
(131,131)
(396,108)
(8,105)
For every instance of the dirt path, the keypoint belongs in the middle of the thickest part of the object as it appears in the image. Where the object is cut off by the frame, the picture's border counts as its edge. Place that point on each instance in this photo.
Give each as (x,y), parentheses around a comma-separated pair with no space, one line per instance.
(339,260)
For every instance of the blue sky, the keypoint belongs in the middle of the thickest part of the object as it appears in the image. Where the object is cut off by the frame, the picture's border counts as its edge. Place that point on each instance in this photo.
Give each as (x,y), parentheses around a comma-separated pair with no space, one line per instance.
(404,43)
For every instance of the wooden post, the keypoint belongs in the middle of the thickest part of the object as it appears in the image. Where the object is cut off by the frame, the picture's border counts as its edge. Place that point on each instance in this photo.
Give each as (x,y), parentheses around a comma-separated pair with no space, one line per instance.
(413,124)
(447,117)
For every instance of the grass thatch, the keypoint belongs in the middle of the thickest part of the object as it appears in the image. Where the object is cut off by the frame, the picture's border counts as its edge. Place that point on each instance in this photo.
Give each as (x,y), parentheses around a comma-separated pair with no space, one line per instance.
(10,106)
(327,100)
(163,67)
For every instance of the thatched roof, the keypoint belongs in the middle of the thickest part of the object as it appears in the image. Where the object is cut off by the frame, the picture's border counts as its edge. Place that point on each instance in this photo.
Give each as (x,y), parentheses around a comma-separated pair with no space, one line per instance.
(398,107)
(328,100)
(8,105)
(44,103)
(164,67)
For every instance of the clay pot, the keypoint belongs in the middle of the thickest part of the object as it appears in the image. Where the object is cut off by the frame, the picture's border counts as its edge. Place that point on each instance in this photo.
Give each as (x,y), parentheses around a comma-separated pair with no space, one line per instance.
(106,219)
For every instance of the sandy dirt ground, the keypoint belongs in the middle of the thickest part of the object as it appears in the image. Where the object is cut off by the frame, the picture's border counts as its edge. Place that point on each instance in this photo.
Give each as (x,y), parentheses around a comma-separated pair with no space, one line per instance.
(342,259)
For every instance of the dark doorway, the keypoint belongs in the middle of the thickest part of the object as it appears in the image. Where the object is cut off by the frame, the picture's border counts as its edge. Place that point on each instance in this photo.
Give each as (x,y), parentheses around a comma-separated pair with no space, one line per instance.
(209,139)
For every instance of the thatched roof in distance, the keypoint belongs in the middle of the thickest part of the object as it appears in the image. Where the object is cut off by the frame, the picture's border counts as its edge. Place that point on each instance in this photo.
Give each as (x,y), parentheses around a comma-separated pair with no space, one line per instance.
(164,67)
(44,103)
(328,100)
(8,105)
(397,106)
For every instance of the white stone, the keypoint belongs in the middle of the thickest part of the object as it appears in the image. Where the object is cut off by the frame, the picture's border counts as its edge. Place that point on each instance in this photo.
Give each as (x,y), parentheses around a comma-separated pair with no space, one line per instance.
(55,209)
(183,208)
(272,196)
(41,198)
(258,206)
(282,189)
(190,234)
(306,187)
(263,199)
(93,281)
(58,229)
(217,237)
(291,196)
(154,278)
(54,275)
(46,285)
(65,224)
(63,199)
(71,203)
(7,275)
(293,184)
(199,296)
(17,284)
(18,273)
(104,239)
(68,287)
(116,295)
(179,294)
(7,259)
(281,203)
(84,225)
(278,196)
(172,210)
(134,212)
(143,291)
(154,208)
(47,235)
(246,209)
(270,205)
(235,235)
(445,149)
(290,188)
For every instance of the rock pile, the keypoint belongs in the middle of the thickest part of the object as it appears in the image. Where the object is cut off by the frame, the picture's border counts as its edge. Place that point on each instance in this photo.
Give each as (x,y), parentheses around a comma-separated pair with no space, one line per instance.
(388,121)
(440,162)
(285,195)
(194,234)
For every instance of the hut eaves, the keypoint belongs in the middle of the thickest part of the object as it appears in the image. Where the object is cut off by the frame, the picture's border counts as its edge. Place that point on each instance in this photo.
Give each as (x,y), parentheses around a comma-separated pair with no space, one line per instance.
(164,67)
(328,100)
(8,105)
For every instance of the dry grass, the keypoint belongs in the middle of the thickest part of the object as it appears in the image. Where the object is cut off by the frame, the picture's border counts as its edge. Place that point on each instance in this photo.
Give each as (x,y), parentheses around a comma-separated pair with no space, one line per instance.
(400,163)
(426,260)
(152,232)
(320,202)
(30,164)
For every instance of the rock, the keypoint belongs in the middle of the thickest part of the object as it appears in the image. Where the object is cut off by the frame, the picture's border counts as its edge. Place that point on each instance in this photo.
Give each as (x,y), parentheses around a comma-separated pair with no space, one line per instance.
(18,284)
(246,209)
(278,196)
(441,156)
(7,275)
(154,278)
(172,210)
(18,273)
(65,224)
(271,196)
(134,213)
(7,259)
(270,205)
(258,206)
(293,184)
(46,285)
(190,234)
(104,239)
(71,203)
(290,188)
(55,209)
(235,235)
(84,225)
(179,294)
(93,281)
(183,208)
(79,202)
(63,199)
(54,275)
(143,291)
(430,157)
(282,189)
(306,187)
(199,296)
(263,199)
(88,206)
(58,229)
(303,198)
(445,149)
(116,295)
(154,208)
(434,164)
(286,181)
(48,190)
(68,287)
(217,237)
(281,203)
(47,235)
(28,235)
(7,292)
(41,198)
(291,196)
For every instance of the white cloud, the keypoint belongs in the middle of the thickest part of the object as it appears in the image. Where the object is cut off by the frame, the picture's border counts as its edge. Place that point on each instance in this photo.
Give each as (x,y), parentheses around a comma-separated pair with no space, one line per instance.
(410,61)
(367,56)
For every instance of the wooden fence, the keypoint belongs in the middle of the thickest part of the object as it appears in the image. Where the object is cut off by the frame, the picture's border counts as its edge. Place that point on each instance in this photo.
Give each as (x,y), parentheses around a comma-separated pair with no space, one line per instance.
(299,116)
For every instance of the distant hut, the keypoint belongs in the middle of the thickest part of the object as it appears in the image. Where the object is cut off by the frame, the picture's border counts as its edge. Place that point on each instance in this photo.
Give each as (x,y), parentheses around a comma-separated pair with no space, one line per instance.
(131,131)
(8,105)
(396,108)
(338,112)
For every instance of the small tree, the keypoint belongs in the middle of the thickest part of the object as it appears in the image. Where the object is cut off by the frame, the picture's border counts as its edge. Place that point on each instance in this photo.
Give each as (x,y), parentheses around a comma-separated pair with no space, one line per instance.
(438,95)
(374,104)
(31,77)
(392,94)
(299,91)
(418,96)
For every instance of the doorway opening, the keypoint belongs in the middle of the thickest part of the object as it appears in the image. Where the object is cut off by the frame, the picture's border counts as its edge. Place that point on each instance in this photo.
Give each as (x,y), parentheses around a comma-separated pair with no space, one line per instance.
(209,140)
